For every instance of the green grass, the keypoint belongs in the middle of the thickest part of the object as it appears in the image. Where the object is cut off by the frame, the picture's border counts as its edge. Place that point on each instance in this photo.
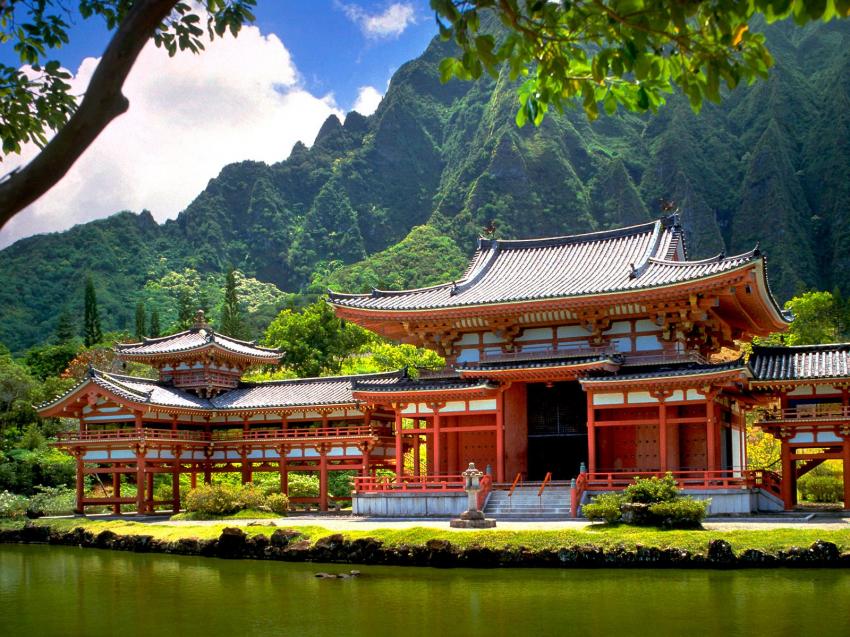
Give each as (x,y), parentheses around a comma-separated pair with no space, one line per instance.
(247,514)
(605,537)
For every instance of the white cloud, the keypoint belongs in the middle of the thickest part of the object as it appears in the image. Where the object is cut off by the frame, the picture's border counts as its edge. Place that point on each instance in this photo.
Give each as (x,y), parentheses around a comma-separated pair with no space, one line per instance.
(367,100)
(189,116)
(389,24)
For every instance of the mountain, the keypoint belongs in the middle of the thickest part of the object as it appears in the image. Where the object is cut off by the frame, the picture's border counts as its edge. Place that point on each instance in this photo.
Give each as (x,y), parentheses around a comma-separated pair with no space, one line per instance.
(398,198)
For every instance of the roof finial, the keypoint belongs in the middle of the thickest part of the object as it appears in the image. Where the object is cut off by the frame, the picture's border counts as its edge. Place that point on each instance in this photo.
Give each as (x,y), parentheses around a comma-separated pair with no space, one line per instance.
(757,249)
(632,271)
(200,321)
(90,370)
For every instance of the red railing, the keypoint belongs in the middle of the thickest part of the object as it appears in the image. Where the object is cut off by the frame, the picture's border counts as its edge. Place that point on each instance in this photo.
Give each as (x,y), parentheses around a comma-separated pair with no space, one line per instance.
(301,433)
(132,434)
(486,487)
(576,493)
(546,480)
(694,479)
(764,479)
(822,411)
(422,484)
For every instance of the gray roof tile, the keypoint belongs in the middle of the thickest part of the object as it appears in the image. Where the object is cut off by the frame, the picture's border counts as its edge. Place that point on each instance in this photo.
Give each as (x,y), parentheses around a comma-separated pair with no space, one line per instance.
(193,339)
(634,258)
(803,362)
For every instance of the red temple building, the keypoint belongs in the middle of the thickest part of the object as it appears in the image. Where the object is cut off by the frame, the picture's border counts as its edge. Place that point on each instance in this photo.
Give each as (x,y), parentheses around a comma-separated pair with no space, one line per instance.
(574,364)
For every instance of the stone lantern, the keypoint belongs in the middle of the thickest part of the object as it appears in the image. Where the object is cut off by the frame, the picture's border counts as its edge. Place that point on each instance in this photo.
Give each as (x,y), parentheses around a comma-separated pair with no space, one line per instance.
(472,518)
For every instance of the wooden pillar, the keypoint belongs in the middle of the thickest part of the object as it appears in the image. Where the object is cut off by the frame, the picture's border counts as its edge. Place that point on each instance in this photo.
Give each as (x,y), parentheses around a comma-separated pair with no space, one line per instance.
(149,506)
(140,482)
(284,423)
(325,421)
(710,433)
(846,467)
(284,471)
(500,437)
(364,467)
(138,420)
(175,486)
(452,451)
(788,481)
(116,491)
(399,455)
(323,478)
(438,467)
(591,434)
(81,483)
(662,435)
(193,479)
(208,471)
(174,422)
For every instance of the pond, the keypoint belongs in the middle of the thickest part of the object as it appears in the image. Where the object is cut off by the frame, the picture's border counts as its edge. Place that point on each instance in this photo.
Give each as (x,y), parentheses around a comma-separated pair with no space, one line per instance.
(47,590)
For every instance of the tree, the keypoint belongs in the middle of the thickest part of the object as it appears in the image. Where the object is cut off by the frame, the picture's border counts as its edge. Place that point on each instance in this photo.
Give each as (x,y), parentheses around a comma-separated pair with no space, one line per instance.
(65,330)
(232,323)
(91,320)
(37,100)
(140,321)
(314,340)
(626,53)
(819,317)
(185,312)
(154,328)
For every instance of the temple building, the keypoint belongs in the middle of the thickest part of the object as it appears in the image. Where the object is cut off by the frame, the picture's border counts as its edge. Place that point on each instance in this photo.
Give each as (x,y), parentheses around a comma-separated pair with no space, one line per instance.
(573,364)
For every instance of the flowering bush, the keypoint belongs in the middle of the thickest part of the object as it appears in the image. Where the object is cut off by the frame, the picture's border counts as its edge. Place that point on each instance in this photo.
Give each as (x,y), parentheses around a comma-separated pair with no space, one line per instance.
(12,506)
(278,503)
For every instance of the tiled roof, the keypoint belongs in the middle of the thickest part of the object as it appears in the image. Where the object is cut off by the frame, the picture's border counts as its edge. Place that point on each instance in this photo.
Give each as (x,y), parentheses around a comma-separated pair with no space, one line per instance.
(556,359)
(667,370)
(802,362)
(196,338)
(634,258)
(299,392)
(425,383)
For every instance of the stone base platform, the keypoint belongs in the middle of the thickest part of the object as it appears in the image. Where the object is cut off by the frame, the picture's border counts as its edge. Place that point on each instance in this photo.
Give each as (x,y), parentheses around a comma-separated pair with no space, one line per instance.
(472,524)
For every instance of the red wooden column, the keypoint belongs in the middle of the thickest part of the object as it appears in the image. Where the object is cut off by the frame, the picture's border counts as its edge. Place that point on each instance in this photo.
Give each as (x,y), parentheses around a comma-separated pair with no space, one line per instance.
(193,479)
(80,484)
(845,452)
(116,491)
(438,467)
(500,437)
(175,483)
(138,419)
(399,455)
(662,434)
(788,481)
(710,432)
(364,467)
(323,478)
(452,451)
(149,506)
(140,481)
(591,434)
(283,470)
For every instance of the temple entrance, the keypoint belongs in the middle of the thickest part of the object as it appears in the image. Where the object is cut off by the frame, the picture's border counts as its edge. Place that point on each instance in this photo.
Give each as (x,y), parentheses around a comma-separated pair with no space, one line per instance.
(557,429)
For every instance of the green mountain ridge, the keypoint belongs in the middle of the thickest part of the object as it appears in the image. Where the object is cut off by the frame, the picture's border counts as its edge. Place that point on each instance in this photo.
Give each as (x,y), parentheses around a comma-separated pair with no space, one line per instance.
(436,163)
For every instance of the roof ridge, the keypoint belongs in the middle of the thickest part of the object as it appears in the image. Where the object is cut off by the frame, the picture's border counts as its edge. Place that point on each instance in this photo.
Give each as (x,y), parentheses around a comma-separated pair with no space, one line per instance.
(596,235)
(314,379)
(147,341)
(800,348)
(718,258)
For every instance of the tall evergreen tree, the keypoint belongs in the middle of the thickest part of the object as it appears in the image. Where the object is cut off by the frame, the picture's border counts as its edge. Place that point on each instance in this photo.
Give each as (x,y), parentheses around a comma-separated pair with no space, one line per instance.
(231,314)
(154,328)
(91,319)
(185,313)
(65,330)
(140,321)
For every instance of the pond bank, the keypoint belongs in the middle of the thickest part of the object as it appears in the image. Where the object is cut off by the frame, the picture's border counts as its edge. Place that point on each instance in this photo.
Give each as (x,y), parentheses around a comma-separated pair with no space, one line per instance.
(420,547)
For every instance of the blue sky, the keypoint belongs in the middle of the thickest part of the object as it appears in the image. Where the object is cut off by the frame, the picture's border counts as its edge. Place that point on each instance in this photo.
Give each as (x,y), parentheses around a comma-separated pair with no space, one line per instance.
(249,98)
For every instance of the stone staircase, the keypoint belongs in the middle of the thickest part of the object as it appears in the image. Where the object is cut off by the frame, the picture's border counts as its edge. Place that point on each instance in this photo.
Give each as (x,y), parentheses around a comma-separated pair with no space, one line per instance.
(554,504)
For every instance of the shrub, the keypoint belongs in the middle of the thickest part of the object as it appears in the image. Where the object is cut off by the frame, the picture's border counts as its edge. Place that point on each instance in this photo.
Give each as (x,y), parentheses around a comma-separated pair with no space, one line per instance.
(302,485)
(52,501)
(604,507)
(822,488)
(12,506)
(213,499)
(683,513)
(651,490)
(250,497)
(278,503)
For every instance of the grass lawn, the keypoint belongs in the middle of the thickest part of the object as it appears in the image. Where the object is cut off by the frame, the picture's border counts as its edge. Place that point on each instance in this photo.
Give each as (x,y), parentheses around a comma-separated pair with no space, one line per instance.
(247,514)
(602,536)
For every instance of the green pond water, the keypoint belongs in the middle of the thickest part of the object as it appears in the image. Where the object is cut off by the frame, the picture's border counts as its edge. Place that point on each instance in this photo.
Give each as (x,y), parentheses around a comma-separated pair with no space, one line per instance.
(67,591)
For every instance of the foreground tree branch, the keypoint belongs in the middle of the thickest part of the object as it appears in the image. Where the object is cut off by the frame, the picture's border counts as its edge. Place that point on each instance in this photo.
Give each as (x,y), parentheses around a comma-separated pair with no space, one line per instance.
(102,103)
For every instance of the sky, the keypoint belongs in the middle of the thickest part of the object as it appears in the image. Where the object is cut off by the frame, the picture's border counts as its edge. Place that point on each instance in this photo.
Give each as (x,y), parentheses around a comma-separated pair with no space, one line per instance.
(250,97)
